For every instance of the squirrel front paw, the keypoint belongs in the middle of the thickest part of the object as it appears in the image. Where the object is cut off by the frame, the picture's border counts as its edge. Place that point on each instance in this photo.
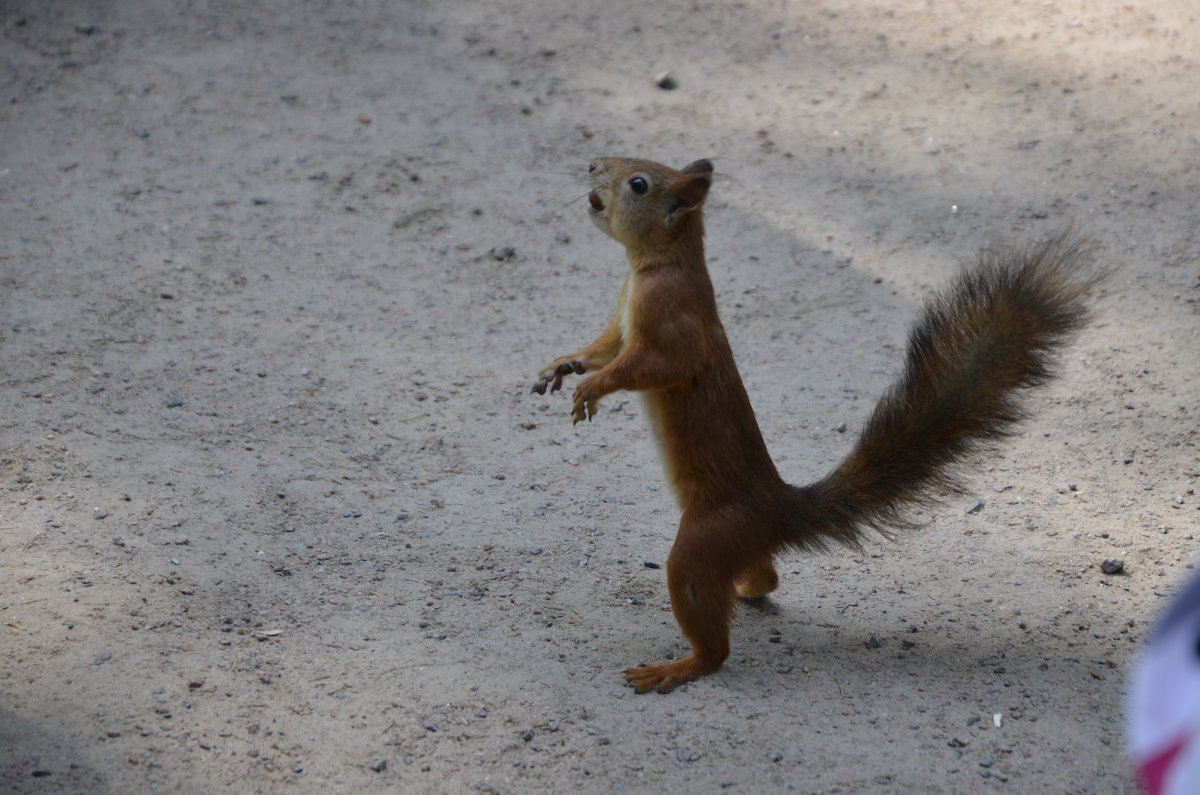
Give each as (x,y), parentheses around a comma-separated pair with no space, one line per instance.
(552,374)
(583,403)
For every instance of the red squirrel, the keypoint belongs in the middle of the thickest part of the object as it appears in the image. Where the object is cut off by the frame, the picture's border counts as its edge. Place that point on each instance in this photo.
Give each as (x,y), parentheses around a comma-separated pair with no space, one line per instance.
(978,344)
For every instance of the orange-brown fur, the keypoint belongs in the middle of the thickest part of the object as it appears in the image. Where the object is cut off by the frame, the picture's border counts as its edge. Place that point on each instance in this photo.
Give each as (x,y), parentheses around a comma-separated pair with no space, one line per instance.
(976,345)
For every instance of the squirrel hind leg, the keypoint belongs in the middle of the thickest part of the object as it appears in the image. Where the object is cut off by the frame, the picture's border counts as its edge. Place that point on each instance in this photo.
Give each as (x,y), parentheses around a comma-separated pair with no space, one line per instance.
(757,581)
(701,570)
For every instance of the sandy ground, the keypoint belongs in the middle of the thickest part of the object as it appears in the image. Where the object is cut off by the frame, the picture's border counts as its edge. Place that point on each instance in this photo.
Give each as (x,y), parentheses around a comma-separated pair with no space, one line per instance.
(278,512)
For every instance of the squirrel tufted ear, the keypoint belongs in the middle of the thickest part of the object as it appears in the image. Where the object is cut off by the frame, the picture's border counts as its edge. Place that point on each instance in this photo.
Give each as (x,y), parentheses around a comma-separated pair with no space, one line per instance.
(698,167)
(689,192)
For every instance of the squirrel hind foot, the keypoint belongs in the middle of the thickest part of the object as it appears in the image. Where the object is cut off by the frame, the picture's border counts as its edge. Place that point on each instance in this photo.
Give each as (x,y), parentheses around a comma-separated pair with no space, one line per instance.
(665,677)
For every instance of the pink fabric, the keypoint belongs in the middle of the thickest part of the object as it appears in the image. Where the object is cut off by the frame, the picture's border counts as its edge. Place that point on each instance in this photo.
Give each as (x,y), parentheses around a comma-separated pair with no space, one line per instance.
(1154,771)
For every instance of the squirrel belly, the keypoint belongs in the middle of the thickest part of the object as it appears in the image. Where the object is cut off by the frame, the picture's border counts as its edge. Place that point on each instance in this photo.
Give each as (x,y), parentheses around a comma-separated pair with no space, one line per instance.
(976,348)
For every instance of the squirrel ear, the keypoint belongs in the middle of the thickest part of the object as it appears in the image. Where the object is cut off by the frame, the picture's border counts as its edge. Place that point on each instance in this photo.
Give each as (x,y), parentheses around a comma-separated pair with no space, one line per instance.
(689,192)
(698,167)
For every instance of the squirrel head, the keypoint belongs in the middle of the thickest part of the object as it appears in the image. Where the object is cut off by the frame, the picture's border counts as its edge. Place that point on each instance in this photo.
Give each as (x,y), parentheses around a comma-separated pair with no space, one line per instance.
(644,205)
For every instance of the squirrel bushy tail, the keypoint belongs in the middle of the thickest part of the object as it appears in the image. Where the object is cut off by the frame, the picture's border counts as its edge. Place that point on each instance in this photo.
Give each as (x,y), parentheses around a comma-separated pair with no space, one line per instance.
(979,344)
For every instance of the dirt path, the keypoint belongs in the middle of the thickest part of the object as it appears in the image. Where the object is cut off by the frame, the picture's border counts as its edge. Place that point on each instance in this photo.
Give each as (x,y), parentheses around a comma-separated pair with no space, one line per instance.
(277,512)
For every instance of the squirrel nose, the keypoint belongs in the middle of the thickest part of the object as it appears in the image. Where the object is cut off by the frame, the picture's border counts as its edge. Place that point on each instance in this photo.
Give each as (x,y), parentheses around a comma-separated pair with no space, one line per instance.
(592,166)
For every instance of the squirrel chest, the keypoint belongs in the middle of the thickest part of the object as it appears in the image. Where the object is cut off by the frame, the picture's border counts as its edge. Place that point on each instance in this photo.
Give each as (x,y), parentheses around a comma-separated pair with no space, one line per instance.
(700,416)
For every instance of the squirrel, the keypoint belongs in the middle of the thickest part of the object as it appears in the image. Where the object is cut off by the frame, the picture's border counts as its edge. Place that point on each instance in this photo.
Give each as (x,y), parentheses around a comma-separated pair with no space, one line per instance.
(981,342)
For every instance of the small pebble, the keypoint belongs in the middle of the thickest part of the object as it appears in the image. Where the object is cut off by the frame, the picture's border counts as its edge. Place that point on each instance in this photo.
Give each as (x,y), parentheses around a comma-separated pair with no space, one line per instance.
(102,658)
(666,81)
(976,507)
(987,762)
(119,541)
(380,766)
(174,401)
(840,427)
(252,753)
(100,513)
(775,756)
(651,564)
(1112,566)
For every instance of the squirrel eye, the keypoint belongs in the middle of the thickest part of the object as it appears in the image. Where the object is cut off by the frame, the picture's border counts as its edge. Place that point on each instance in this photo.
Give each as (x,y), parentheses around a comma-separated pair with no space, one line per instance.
(639,185)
